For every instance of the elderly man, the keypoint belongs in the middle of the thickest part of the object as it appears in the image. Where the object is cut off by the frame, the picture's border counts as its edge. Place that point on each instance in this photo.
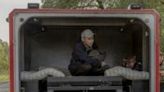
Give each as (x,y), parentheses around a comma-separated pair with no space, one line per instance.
(84,64)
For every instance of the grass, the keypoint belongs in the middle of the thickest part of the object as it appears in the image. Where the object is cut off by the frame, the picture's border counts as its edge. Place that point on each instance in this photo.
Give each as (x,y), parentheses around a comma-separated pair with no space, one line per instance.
(4,77)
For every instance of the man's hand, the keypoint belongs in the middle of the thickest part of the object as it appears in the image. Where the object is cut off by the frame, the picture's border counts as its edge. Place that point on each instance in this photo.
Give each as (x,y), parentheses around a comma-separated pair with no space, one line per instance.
(95,54)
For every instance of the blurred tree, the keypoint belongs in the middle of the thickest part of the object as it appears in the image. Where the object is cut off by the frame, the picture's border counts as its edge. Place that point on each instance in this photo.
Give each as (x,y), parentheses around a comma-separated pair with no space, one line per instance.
(159,6)
(79,3)
(3,56)
(103,4)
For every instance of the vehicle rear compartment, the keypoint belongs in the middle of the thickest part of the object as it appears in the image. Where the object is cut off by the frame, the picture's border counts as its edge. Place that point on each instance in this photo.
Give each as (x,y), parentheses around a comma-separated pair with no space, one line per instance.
(48,42)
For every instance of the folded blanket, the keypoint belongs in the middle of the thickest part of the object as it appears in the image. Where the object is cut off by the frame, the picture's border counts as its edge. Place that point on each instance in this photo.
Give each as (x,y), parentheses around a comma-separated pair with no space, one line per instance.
(38,75)
(63,70)
(127,73)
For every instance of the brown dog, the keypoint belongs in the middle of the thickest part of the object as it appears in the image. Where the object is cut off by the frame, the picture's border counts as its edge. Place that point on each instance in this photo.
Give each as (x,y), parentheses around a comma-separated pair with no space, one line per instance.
(129,62)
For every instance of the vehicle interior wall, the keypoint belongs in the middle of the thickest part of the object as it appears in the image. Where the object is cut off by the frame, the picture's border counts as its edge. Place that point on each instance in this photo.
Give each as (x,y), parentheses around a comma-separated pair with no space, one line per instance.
(47,45)
(43,44)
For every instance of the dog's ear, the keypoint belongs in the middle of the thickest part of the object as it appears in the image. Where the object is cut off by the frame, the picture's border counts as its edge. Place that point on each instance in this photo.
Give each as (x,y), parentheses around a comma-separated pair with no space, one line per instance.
(124,64)
(124,60)
(134,57)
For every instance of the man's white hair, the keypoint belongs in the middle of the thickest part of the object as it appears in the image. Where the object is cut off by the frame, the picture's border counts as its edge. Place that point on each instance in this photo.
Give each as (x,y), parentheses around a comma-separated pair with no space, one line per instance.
(86,33)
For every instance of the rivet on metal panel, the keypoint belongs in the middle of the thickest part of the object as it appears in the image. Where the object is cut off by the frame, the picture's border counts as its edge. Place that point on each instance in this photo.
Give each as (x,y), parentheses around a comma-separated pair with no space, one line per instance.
(121,29)
(146,34)
(21,19)
(35,20)
(132,20)
(147,20)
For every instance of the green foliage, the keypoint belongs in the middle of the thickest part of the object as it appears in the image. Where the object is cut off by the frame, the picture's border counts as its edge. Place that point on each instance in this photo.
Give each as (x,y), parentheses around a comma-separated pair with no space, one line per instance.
(102,4)
(4,77)
(160,8)
(162,40)
(4,60)
(78,3)
(60,3)
(94,3)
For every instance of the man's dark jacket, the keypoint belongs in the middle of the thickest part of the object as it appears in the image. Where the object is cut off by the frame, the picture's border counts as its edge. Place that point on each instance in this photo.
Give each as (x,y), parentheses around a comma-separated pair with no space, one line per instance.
(80,56)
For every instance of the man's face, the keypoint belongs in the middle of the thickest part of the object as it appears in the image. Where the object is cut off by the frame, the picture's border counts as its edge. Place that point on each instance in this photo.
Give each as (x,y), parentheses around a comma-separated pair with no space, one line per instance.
(89,41)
